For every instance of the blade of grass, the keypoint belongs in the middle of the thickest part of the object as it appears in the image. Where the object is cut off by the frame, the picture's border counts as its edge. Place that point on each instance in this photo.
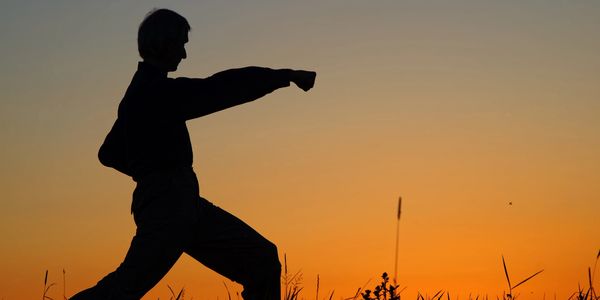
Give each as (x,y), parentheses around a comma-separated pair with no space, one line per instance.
(401,290)
(355,295)
(590,277)
(506,273)
(285,262)
(536,273)
(170,289)
(595,264)
(440,296)
(46,291)
(227,289)
(360,289)
(45,282)
(397,238)
(317,295)
(179,295)
(64,285)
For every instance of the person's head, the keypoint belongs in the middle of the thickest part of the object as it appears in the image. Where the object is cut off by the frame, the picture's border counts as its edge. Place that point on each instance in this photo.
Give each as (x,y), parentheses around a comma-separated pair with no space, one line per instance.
(162,37)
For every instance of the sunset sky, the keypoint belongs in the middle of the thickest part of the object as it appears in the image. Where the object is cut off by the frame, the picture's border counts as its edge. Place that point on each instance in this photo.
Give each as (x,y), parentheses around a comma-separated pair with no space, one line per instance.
(460,107)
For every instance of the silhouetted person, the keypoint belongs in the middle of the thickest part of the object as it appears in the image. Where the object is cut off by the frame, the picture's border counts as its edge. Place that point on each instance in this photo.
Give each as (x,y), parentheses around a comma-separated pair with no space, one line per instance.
(149,141)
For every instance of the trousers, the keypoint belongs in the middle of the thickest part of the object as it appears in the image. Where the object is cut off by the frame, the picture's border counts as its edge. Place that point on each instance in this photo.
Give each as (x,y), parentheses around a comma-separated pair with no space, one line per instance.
(172,219)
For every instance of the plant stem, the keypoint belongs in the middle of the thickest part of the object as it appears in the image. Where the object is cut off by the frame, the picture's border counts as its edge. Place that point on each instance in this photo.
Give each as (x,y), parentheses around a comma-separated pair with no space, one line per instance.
(397,239)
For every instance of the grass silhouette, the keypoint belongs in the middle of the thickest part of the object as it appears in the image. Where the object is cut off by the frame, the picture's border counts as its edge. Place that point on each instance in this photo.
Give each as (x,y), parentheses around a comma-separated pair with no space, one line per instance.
(47,287)
(510,295)
(385,290)
(292,284)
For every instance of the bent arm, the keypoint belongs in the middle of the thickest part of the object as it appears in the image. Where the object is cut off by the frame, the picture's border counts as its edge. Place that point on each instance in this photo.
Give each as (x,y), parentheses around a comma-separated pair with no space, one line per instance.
(193,98)
(113,151)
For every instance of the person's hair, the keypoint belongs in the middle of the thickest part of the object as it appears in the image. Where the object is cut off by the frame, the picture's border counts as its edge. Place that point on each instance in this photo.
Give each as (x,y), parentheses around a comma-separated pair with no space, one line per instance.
(159,29)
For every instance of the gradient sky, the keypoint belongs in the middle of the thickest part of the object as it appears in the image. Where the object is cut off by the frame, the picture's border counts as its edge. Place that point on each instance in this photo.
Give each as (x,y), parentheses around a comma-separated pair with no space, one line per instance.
(459,106)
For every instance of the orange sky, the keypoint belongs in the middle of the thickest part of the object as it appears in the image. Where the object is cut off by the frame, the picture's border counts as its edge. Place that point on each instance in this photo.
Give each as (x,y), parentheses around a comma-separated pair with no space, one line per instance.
(459,107)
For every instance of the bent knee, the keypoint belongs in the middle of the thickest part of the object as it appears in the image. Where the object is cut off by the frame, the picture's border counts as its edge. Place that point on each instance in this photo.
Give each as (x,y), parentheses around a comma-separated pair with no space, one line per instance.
(266,261)
(272,256)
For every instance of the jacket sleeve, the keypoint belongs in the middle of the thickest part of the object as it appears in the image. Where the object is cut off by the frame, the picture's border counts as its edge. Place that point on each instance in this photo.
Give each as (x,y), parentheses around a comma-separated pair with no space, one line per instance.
(194,97)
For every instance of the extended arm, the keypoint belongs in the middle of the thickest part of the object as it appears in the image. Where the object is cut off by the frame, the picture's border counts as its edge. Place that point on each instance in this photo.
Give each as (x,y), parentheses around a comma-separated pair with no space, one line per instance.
(194,98)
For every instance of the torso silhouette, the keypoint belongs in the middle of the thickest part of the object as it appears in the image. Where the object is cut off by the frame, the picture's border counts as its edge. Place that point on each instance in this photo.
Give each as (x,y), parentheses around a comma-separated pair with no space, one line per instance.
(150,134)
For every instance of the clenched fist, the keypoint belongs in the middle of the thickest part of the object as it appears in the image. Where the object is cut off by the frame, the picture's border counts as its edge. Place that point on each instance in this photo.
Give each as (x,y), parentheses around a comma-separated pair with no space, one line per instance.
(303,79)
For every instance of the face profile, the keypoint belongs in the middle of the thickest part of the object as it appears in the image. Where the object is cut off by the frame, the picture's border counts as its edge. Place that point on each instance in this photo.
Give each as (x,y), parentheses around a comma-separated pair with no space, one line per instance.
(175,53)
